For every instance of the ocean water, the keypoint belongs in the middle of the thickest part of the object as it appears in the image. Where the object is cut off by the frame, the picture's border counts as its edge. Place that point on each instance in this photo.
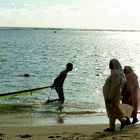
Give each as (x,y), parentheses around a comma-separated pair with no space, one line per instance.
(43,53)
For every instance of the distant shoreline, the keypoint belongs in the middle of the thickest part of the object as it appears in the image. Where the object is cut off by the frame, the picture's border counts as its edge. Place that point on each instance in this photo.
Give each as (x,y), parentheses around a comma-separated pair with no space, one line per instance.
(71,29)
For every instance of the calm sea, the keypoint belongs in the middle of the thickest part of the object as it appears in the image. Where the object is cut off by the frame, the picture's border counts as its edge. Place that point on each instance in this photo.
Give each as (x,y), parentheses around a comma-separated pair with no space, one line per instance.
(43,53)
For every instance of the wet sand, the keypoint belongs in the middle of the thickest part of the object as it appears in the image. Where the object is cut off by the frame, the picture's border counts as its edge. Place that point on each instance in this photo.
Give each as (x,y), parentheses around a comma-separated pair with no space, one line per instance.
(69,132)
(63,127)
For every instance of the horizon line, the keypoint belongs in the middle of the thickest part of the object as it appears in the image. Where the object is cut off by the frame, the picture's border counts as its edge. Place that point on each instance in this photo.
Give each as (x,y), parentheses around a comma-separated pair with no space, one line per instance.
(63,28)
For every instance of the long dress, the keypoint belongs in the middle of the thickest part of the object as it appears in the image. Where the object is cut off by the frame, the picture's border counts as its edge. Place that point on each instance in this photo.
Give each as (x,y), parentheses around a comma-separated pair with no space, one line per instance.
(112,93)
(133,91)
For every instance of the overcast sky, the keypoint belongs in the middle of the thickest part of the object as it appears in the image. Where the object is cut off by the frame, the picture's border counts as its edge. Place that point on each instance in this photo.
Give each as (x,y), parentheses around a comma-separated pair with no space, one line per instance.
(101,14)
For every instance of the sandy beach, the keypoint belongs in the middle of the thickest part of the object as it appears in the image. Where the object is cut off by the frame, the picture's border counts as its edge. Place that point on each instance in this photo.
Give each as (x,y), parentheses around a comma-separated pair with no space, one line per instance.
(68,132)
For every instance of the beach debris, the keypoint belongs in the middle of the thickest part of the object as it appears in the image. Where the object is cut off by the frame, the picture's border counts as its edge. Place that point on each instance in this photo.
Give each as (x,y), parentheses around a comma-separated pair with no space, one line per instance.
(25,136)
(26,75)
(51,137)
(58,137)
(1,134)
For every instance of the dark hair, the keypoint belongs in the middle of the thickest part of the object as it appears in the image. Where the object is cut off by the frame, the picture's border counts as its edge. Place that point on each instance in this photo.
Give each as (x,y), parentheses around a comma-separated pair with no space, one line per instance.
(69,66)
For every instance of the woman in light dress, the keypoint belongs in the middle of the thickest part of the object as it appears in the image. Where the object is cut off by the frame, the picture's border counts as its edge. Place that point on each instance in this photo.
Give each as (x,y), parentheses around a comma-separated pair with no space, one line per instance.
(112,94)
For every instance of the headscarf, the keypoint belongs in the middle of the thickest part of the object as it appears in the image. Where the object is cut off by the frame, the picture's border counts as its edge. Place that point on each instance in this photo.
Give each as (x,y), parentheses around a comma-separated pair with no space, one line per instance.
(117,69)
(116,64)
(128,69)
(132,79)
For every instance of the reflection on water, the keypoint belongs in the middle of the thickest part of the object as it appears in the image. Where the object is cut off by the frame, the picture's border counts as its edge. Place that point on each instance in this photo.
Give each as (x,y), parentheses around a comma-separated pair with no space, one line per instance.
(60,119)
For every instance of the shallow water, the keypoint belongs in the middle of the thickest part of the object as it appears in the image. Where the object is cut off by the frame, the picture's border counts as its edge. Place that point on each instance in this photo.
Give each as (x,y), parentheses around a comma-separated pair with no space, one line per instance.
(43,54)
